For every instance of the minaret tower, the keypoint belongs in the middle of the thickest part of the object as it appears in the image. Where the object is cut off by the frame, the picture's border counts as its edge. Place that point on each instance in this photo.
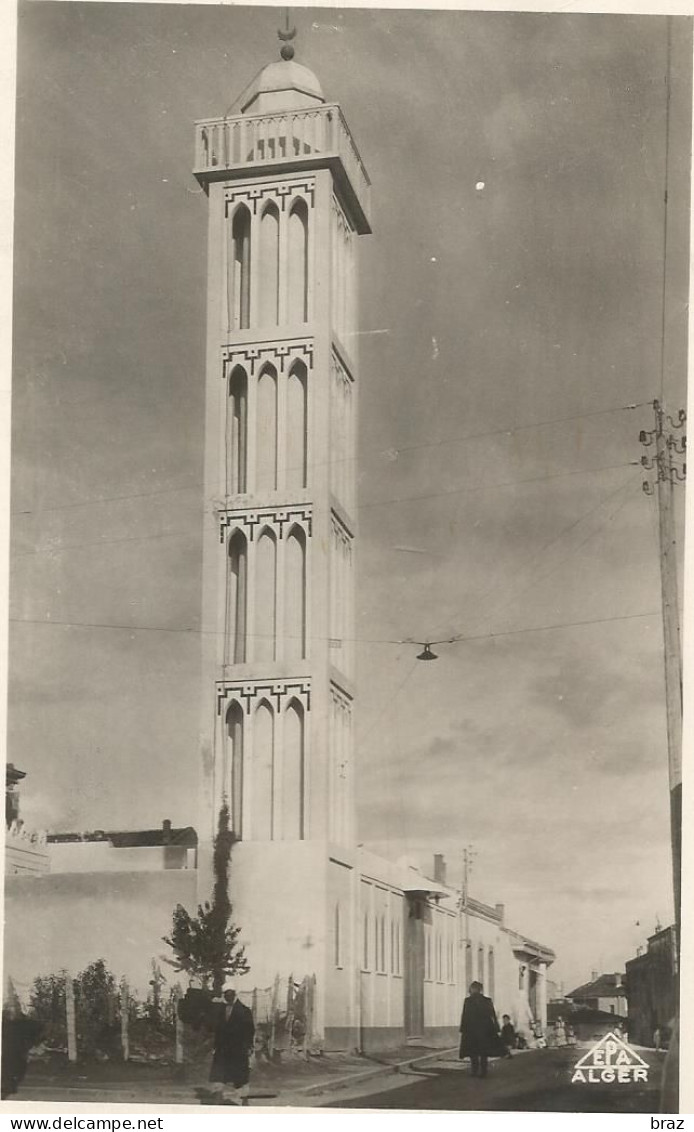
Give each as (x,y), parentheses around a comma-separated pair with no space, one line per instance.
(288,198)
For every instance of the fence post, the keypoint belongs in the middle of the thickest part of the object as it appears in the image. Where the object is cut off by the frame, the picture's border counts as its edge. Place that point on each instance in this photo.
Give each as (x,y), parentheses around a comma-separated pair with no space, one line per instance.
(70,1017)
(124,1019)
(290,1010)
(178,1055)
(273,1014)
(310,985)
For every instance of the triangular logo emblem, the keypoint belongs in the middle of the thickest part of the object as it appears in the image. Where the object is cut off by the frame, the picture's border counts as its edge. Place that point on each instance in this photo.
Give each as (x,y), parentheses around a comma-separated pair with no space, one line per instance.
(610,1060)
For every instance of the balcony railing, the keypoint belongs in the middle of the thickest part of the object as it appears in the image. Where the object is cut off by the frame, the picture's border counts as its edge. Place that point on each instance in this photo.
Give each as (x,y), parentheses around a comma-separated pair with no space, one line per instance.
(275,139)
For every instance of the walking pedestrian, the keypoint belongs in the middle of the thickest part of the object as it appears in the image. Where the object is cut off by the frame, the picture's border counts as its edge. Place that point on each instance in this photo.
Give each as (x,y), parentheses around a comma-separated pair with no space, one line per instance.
(479,1031)
(233,1044)
(508,1034)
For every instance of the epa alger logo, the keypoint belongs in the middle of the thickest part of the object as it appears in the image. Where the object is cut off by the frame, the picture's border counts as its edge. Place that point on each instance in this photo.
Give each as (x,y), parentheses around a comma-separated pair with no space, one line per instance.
(610,1060)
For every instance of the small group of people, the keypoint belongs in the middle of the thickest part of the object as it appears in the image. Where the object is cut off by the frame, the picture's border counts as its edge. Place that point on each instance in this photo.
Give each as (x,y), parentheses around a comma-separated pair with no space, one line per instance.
(481,1037)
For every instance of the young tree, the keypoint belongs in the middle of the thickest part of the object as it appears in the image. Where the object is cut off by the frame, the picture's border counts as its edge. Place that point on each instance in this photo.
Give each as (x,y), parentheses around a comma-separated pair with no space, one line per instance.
(206,946)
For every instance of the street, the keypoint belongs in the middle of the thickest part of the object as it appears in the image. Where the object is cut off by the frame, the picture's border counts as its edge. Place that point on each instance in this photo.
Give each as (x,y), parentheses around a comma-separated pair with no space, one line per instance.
(537,1081)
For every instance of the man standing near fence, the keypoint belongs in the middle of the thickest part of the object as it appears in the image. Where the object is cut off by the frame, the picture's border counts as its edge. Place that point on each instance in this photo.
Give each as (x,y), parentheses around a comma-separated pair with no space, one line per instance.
(233,1045)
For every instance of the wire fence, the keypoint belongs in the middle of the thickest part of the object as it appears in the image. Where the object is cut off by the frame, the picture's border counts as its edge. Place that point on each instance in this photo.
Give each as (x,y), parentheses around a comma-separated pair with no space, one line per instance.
(93,1016)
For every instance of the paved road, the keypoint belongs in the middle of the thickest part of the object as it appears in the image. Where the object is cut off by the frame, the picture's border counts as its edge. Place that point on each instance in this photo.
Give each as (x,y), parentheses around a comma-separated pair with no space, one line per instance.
(537,1081)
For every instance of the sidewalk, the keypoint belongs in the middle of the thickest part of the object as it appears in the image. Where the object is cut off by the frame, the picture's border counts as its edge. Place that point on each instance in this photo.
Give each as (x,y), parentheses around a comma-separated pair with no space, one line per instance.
(292,1082)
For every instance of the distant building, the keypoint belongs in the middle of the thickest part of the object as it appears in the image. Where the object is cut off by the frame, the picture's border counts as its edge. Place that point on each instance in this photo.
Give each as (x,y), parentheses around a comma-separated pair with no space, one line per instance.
(25,849)
(605,993)
(652,988)
(123,850)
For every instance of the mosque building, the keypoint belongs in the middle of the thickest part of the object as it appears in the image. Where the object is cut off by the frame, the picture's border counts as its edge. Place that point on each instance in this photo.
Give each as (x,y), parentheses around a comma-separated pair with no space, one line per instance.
(392,950)
(289,203)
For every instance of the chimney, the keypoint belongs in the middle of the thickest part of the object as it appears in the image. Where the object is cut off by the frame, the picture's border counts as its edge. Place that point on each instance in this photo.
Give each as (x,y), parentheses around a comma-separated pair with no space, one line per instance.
(166,831)
(593,976)
(501,912)
(439,868)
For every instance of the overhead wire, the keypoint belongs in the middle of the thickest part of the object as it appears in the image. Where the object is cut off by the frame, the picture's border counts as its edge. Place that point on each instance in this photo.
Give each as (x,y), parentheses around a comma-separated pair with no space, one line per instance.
(542,551)
(433,444)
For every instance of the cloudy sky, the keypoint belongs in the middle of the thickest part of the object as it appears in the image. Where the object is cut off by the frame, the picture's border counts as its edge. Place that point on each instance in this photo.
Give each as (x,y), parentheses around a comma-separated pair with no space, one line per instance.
(511,307)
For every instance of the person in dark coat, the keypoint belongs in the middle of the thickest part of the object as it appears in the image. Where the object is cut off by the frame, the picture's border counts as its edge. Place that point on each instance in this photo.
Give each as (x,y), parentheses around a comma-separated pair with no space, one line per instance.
(479,1031)
(508,1034)
(19,1035)
(233,1043)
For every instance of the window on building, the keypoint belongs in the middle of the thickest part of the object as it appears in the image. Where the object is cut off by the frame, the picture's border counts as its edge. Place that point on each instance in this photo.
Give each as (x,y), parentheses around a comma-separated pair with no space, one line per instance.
(269,282)
(234,721)
(427,951)
(298,263)
(491,973)
(236,439)
(480,964)
(293,773)
(239,285)
(366,950)
(468,963)
(236,599)
(265,597)
(297,426)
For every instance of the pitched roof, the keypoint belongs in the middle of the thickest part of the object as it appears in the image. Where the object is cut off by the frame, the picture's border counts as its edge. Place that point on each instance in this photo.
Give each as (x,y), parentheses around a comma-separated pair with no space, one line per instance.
(605,986)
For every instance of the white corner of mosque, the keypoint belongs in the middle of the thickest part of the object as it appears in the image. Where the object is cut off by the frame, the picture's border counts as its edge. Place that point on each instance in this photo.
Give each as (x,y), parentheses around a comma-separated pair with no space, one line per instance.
(392,950)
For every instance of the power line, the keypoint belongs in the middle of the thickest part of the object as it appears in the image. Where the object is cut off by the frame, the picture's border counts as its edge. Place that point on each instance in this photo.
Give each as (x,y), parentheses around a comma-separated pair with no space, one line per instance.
(46,552)
(405,448)
(358,640)
(539,554)
(544,628)
(495,486)
(363,506)
(516,428)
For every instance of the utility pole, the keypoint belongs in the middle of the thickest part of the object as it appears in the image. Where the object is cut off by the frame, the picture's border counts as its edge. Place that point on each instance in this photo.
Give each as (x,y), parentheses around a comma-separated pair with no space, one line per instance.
(468,854)
(668,473)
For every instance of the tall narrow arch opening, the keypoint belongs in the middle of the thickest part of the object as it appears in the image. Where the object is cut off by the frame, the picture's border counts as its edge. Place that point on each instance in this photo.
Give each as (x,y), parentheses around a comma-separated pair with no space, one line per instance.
(265,645)
(269,290)
(266,431)
(234,728)
(293,773)
(297,299)
(262,793)
(297,426)
(237,586)
(237,432)
(295,646)
(239,281)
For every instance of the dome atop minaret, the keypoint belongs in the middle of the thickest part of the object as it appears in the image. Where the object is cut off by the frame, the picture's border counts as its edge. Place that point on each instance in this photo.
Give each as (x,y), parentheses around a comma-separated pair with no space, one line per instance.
(283,85)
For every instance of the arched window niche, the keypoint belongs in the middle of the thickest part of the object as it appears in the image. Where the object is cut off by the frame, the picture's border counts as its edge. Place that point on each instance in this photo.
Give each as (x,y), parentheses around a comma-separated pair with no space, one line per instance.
(262,793)
(237,586)
(293,773)
(265,644)
(239,271)
(237,431)
(295,643)
(269,289)
(266,431)
(297,281)
(234,731)
(297,426)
